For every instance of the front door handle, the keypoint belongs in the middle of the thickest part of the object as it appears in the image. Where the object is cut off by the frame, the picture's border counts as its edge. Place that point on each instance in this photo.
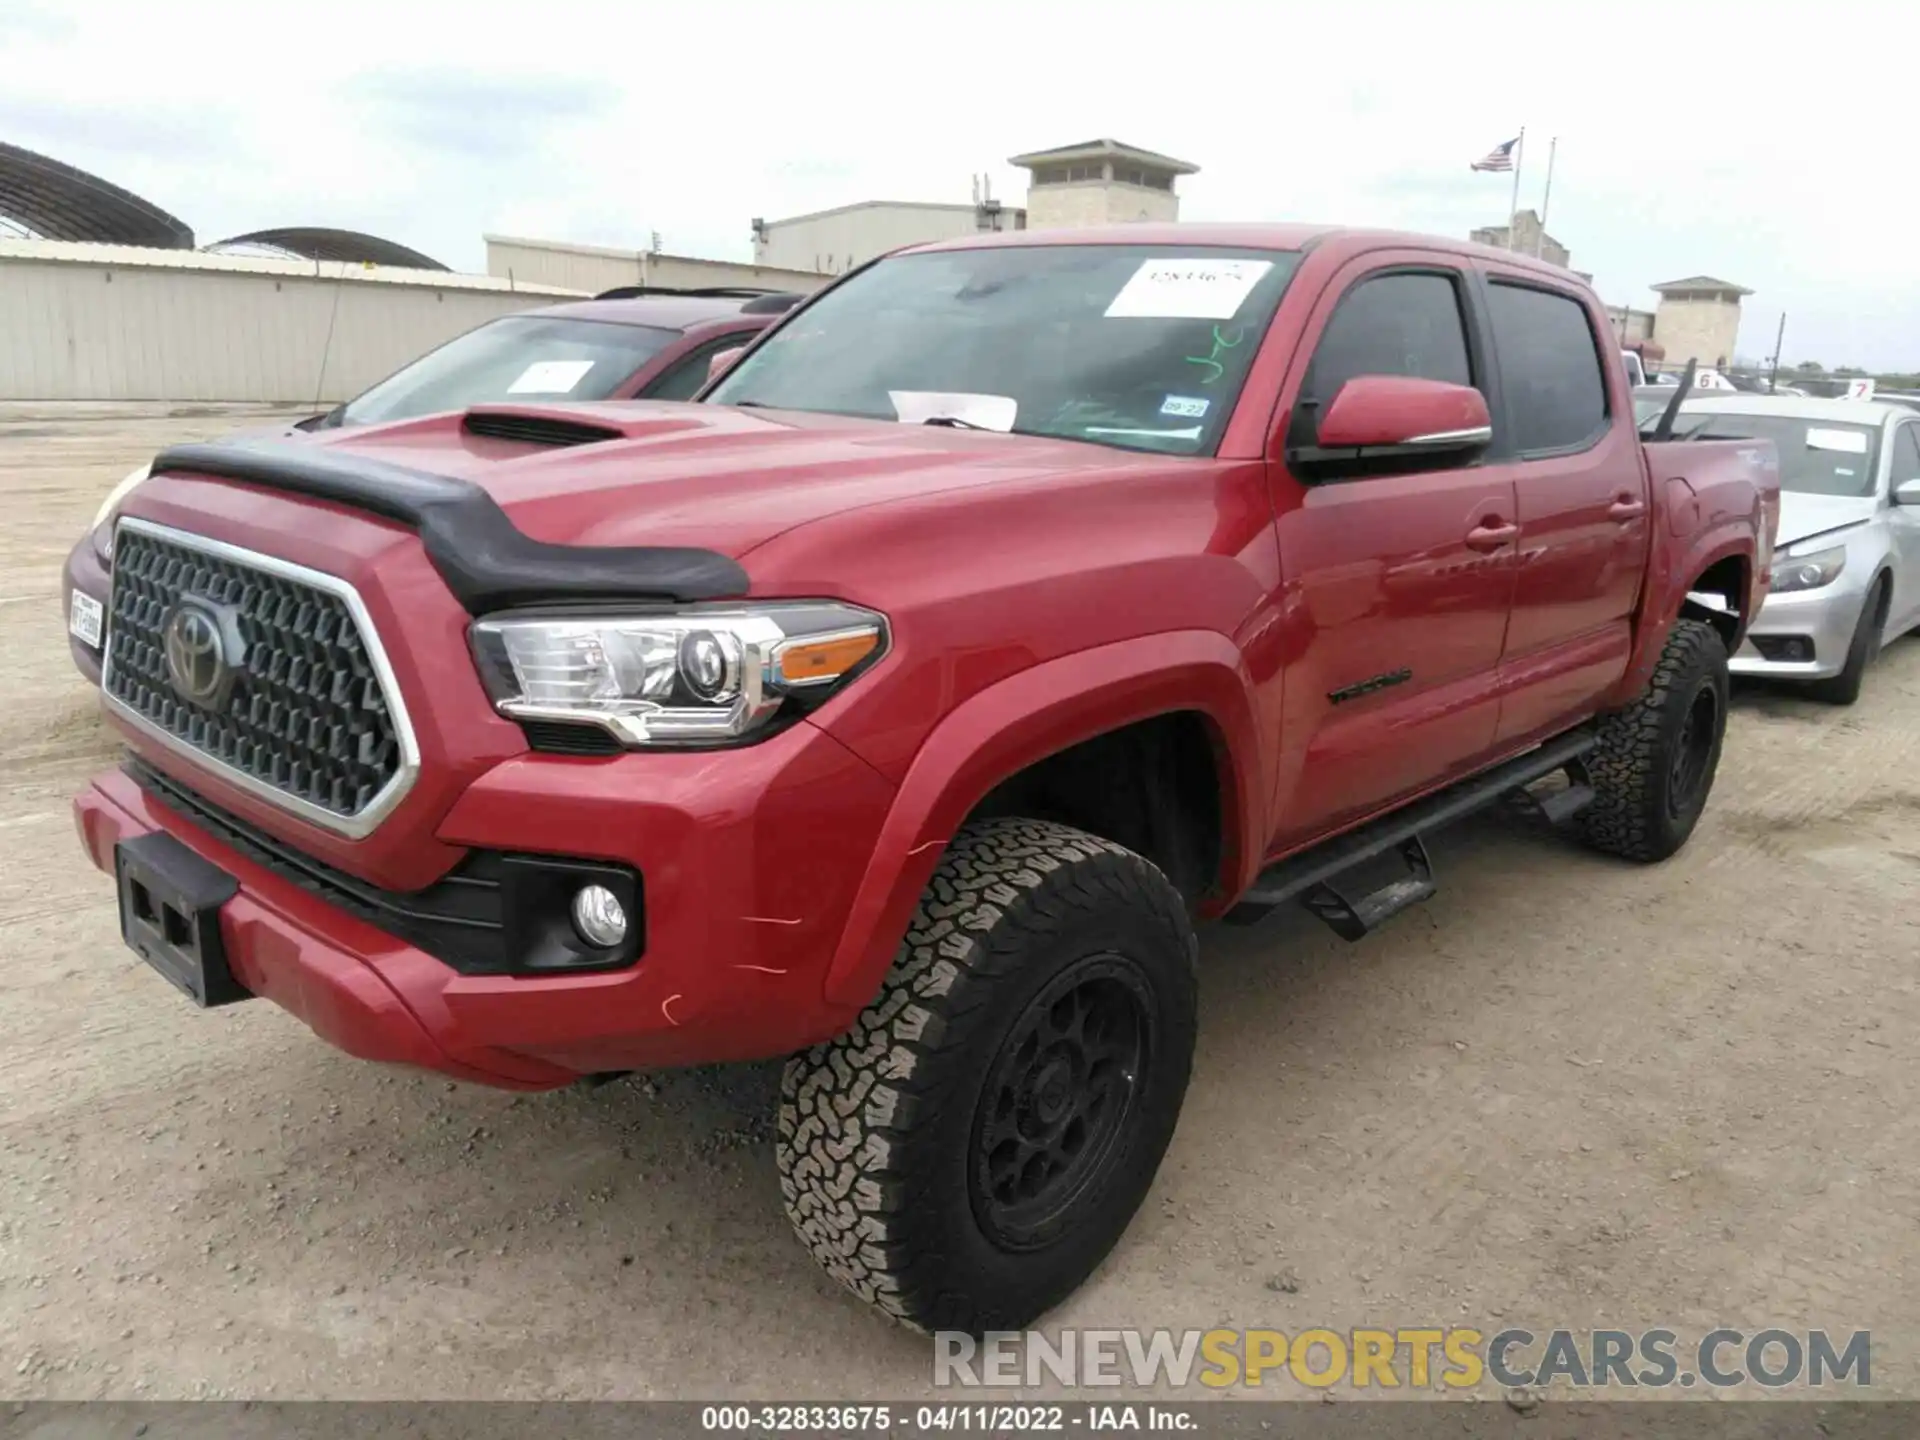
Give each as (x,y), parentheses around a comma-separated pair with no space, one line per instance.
(1491,536)
(1627,507)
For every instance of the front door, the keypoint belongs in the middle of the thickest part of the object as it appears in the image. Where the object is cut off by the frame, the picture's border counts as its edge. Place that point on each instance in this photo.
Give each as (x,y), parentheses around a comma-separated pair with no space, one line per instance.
(1395,586)
(1903,613)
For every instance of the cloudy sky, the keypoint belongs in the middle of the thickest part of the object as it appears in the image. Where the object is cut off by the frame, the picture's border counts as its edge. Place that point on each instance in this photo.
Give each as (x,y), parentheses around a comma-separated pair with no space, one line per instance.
(1751,142)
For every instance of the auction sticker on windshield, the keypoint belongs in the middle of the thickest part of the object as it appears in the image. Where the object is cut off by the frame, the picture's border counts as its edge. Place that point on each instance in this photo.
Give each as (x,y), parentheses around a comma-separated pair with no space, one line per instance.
(1849,442)
(550,377)
(1176,288)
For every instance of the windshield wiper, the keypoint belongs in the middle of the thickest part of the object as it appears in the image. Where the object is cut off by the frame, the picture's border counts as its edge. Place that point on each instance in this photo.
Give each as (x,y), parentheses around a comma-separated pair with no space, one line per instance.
(954,422)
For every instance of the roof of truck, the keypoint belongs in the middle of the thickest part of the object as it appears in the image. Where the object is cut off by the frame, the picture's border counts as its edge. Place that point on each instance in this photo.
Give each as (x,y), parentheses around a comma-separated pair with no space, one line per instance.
(1263,236)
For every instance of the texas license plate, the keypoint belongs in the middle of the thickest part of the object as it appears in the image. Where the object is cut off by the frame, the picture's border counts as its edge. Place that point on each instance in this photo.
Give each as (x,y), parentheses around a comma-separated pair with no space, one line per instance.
(86,618)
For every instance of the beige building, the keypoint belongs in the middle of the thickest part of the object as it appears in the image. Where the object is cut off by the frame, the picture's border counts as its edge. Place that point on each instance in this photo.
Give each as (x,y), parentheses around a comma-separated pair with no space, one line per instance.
(1528,236)
(1630,326)
(1698,319)
(1100,182)
(593,268)
(831,242)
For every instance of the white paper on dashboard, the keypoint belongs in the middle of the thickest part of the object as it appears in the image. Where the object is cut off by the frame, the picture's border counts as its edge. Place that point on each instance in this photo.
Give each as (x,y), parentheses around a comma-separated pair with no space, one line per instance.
(1184,288)
(989,412)
(550,377)
(1847,442)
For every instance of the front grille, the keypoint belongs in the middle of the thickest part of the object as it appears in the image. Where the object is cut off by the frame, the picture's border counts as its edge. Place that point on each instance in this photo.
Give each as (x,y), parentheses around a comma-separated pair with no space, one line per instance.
(294,705)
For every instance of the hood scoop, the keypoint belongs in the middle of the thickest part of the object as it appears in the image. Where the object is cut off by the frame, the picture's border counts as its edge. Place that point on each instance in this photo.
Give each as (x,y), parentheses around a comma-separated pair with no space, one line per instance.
(531,428)
(486,560)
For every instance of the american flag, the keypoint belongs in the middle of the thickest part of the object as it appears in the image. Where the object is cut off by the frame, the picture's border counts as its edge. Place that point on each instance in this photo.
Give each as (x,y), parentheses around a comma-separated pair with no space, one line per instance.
(1498,158)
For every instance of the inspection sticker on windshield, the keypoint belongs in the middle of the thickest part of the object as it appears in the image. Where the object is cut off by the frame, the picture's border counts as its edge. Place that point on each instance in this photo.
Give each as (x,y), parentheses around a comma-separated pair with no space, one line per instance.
(550,377)
(1183,288)
(1191,406)
(1848,442)
(85,618)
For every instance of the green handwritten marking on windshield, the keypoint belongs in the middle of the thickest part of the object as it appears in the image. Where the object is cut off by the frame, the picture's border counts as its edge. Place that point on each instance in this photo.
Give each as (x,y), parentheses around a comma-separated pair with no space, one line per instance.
(1211,362)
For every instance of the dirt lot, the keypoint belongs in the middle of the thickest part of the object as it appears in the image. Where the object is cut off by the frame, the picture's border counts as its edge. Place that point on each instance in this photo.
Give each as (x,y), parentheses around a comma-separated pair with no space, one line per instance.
(1566,1092)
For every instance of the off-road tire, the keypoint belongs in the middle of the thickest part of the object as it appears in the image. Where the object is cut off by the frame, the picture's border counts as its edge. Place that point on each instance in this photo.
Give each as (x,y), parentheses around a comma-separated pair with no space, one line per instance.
(1862,651)
(1637,812)
(881,1151)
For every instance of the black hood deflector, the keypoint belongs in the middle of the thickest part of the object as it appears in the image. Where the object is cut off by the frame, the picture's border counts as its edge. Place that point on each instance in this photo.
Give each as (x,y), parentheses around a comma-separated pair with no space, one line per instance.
(487,563)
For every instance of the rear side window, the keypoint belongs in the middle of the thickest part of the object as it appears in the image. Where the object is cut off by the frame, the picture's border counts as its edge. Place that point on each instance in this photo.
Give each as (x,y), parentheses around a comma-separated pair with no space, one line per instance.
(1402,324)
(1549,368)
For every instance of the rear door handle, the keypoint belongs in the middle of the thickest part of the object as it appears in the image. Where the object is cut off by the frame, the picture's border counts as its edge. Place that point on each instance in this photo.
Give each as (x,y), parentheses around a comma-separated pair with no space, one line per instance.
(1627,507)
(1485,537)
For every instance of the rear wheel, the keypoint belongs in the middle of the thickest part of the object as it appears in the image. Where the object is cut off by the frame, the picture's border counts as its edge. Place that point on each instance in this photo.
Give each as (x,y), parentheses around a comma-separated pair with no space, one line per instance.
(967,1154)
(1654,766)
(1862,651)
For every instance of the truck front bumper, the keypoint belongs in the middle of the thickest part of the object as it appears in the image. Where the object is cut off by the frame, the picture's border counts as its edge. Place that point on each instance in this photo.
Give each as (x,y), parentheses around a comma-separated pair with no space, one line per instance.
(1804,634)
(743,856)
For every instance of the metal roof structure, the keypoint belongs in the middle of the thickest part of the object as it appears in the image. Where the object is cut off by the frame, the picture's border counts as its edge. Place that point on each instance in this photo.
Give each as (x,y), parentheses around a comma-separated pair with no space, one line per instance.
(1699,282)
(311,242)
(56,201)
(1104,149)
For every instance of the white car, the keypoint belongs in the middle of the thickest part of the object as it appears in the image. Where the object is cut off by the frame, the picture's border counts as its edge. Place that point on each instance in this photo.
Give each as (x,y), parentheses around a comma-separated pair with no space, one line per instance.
(1846,564)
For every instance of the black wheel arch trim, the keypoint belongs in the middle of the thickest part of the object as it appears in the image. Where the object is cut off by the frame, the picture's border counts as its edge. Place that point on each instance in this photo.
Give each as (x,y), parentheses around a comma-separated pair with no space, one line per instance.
(487,562)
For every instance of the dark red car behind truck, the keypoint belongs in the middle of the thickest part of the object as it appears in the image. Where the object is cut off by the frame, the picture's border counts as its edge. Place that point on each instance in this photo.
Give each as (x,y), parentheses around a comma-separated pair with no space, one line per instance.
(1011,605)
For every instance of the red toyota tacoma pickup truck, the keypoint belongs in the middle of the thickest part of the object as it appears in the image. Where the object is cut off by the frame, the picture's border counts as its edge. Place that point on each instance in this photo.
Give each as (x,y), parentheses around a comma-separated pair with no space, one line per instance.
(1006,609)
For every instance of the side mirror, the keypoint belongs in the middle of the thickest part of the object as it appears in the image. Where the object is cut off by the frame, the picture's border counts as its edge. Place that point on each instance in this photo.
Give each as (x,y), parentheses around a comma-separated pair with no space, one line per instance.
(722,361)
(1907,493)
(1398,416)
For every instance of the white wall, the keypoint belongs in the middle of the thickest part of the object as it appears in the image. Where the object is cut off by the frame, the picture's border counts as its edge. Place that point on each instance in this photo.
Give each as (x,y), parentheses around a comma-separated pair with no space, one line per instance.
(834,241)
(92,322)
(592,268)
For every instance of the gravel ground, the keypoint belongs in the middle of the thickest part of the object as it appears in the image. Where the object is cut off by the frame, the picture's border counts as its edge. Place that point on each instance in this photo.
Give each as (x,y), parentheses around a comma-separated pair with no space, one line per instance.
(1565,1092)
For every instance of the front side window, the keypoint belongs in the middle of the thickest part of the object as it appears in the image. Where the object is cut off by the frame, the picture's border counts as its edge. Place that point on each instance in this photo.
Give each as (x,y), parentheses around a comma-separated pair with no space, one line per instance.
(1132,346)
(1397,324)
(1550,372)
(686,375)
(529,358)
(1906,455)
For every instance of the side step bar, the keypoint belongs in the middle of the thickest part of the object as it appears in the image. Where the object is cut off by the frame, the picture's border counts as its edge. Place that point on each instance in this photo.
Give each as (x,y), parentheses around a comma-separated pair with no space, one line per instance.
(1313,877)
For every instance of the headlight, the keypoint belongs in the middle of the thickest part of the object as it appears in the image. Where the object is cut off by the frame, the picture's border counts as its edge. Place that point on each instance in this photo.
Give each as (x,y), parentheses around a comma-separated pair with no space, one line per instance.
(684,677)
(1808,572)
(110,507)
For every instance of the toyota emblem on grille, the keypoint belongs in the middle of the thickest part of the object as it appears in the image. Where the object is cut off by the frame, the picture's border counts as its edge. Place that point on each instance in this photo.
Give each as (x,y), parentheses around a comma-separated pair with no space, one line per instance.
(198,662)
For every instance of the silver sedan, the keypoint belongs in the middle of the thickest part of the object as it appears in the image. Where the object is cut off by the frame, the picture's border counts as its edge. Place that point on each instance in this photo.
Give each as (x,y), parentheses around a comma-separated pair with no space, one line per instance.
(1846,566)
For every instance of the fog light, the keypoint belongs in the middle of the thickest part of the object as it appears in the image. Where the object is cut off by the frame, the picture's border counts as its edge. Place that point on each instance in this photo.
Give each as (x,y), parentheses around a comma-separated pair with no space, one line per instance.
(599,916)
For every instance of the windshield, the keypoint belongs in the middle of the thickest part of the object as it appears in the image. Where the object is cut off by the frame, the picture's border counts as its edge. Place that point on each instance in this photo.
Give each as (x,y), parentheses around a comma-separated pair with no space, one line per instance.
(519,357)
(1817,457)
(1139,347)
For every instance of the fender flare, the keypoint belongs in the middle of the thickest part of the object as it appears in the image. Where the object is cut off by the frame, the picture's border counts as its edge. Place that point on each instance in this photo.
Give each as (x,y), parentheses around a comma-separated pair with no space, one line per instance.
(1023,719)
(1670,576)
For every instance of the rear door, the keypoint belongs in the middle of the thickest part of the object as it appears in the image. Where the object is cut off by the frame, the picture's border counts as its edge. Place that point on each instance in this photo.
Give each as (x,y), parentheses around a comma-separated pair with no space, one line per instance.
(1396,585)
(1904,611)
(1581,490)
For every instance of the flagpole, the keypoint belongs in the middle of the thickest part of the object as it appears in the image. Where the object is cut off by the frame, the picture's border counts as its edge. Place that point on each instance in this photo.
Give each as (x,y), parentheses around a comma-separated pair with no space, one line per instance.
(1513,209)
(1546,198)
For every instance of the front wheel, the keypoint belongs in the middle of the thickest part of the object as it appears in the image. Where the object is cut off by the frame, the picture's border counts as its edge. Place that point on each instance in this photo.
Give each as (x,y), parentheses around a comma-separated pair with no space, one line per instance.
(1655,763)
(967,1154)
